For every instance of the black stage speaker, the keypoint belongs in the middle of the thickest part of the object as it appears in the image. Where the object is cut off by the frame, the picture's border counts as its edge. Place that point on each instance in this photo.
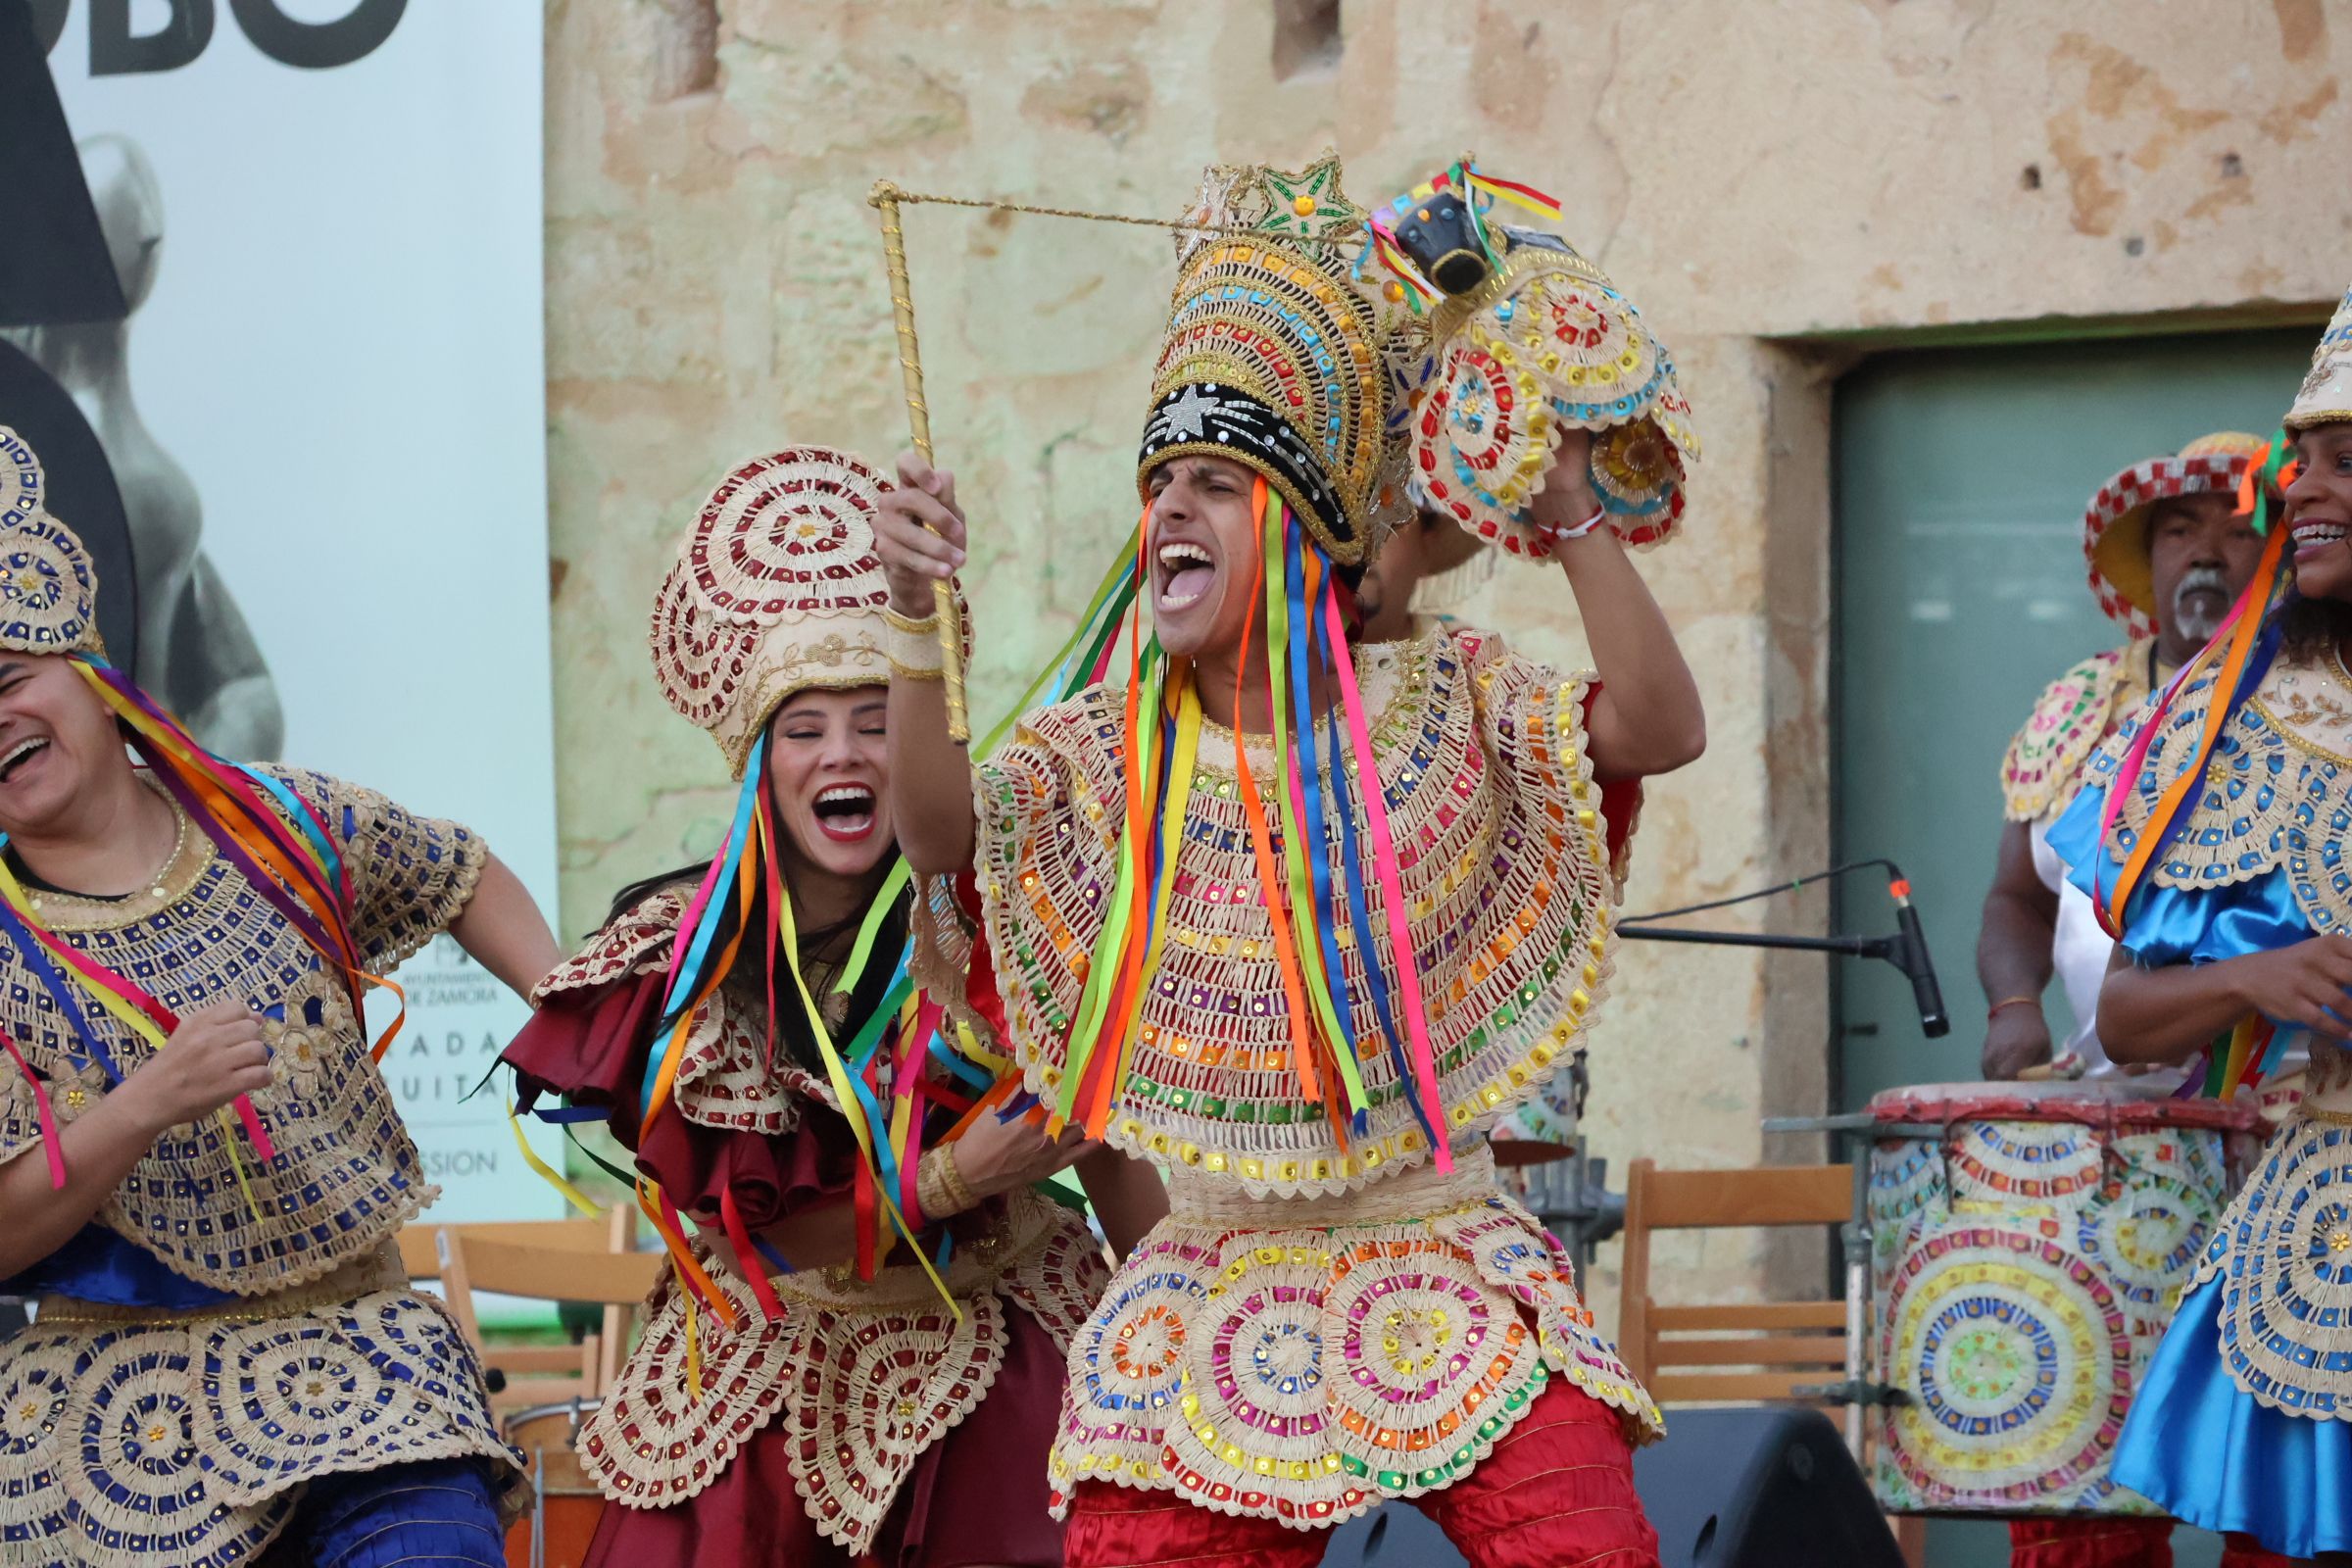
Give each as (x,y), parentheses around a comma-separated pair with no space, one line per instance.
(1753,1488)
(1769,1487)
(1395,1534)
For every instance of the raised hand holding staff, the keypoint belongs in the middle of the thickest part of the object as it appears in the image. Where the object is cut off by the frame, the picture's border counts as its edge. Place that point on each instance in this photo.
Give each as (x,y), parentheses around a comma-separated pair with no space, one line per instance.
(885,199)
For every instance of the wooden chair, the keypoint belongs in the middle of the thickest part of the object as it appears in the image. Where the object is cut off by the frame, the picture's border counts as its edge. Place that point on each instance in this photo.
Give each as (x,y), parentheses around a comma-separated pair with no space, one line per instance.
(1743,1353)
(556,1261)
(1687,1354)
(420,1243)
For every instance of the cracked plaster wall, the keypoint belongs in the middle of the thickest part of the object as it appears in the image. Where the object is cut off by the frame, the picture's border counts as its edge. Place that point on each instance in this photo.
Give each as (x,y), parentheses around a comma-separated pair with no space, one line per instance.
(1755,175)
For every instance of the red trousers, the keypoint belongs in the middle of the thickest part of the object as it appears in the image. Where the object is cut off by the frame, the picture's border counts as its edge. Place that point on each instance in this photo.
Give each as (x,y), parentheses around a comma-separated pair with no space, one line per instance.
(2117,1544)
(1556,1492)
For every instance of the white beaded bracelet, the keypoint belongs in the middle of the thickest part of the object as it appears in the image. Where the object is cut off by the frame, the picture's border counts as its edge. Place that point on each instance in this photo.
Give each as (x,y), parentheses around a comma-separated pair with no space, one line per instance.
(1555,533)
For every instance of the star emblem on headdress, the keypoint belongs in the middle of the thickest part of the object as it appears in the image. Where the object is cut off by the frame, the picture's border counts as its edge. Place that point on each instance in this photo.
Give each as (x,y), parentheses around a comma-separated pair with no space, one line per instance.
(1310,204)
(1186,417)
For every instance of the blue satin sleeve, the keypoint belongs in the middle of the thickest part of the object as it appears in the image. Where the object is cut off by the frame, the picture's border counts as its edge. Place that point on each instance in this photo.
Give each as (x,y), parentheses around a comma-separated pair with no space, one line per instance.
(97,1265)
(2179,925)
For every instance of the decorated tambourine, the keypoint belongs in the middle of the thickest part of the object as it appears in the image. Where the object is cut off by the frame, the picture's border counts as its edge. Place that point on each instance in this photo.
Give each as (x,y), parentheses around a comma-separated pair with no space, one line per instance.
(1528,340)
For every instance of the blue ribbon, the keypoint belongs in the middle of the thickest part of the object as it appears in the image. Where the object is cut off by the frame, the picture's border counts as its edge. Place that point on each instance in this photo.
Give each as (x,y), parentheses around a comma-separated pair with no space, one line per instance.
(59,990)
(1318,853)
(967,1072)
(685,976)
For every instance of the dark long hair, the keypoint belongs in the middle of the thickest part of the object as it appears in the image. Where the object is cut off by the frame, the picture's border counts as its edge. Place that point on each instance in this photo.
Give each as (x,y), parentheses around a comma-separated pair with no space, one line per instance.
(747,979)
(2310,629)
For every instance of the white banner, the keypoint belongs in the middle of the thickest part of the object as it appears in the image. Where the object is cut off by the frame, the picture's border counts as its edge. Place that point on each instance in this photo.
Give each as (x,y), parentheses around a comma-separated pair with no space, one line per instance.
(327,415)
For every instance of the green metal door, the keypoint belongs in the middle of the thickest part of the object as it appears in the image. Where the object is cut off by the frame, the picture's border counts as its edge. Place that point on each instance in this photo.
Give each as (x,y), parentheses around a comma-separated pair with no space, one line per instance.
(1961,479)
(1962,474)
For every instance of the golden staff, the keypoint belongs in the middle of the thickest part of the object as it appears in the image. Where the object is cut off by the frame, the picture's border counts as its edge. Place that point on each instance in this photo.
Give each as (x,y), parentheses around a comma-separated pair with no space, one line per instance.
(885,197)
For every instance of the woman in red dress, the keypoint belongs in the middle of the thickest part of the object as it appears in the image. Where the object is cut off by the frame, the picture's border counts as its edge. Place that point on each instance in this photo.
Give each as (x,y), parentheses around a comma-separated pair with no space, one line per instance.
(750,1034)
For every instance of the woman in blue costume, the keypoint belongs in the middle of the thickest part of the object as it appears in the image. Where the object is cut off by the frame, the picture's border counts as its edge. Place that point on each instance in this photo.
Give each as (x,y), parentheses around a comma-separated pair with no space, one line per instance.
(201,1173)
(2244,1422)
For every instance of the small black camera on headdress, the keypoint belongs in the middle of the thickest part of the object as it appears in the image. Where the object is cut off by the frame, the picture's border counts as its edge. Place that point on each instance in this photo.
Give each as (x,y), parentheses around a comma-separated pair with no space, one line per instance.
(1443,237)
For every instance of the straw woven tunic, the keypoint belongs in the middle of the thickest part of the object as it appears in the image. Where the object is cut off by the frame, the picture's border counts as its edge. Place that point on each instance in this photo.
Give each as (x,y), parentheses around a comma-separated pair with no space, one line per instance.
(1320,1324)
(193,1367)
(902,1429)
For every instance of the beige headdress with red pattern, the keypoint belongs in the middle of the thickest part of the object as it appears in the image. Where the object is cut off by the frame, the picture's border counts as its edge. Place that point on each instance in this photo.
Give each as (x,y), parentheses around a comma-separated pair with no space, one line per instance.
(776,589)
(48,583)
(2326,395)
(2115,525)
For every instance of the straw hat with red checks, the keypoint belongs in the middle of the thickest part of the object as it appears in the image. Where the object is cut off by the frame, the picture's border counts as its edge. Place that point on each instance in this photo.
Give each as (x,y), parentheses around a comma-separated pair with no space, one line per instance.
(2115,525)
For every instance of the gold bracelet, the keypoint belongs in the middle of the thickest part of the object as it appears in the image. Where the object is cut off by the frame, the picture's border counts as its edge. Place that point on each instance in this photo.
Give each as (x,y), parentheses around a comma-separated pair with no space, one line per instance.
(2010,1001)
(903,671)
(927,1194)
(912,646)
(939,1187)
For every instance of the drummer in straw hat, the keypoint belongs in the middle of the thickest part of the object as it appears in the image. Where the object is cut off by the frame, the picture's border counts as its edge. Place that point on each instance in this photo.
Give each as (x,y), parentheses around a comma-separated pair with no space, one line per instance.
(2167,555)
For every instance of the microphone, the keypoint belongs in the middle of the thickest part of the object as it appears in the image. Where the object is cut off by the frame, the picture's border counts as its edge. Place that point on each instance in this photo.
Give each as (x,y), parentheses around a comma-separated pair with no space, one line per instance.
(1911,956)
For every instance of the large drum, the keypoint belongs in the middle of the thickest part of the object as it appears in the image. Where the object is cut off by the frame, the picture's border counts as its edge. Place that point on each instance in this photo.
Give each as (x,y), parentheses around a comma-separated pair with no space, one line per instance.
(2029,1244)
(561,1520)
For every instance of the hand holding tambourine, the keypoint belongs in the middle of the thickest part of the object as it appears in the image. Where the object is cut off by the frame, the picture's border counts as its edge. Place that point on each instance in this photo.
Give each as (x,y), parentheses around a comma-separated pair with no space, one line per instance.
(1528,340)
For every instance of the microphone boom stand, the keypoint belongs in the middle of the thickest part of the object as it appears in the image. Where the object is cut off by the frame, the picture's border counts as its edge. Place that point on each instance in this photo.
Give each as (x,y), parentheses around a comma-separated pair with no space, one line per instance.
(1907,952)
(1850,947)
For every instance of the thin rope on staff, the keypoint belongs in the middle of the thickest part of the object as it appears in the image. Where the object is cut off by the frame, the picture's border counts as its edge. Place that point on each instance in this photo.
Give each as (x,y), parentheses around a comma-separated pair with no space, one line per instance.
(886,197)
(1349,237)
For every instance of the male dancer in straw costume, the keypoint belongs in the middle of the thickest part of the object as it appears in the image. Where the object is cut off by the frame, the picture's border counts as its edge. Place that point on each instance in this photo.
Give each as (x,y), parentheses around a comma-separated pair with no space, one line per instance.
(202,1170)
(1341,1308)
(2168,552)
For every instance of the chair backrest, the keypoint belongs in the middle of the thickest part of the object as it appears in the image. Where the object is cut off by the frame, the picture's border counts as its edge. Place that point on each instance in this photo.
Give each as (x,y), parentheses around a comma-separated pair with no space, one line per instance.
(1743,1352)
(552,1273)
(420,1243)
(591,1262)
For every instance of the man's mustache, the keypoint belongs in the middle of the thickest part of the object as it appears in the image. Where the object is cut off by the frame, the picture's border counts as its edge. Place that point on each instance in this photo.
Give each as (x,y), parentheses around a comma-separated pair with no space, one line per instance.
(2188,614)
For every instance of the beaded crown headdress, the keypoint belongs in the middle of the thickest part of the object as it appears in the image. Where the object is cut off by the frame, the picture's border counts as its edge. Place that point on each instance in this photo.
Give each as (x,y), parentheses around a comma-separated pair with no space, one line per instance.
(1276,357)
(2115,525)
(48,583)
(2326,395)
(776,589)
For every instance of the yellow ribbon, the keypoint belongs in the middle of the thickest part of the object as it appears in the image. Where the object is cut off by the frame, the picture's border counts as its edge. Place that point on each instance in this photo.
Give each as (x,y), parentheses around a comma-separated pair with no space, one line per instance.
(548,1173)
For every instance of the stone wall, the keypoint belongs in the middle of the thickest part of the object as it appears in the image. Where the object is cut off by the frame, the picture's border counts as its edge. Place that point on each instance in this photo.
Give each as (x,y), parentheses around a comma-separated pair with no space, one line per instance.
(1778,184)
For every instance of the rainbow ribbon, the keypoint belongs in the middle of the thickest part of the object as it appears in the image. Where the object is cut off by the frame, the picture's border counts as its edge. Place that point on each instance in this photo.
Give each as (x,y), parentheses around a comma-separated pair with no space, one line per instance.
(1306,905)
(1481,190)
